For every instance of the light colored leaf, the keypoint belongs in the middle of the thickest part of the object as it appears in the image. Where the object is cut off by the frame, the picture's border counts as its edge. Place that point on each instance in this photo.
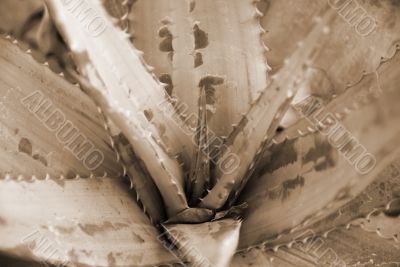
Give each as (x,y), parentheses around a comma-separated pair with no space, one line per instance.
(106,57)
(347,50)
(90,222)
(206,244)
(342,247)
(344,54)
(252,135)
(309,168)
(353,97)
(199,176)
(146,190)
(127,94)
(33,142)
(212,43)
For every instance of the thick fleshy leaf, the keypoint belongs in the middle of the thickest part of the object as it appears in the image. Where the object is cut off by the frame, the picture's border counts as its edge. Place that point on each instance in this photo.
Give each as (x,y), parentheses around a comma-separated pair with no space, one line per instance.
(354,96)
(370,244)
(146,190)
(359,35)
(365,211)
(156,164)
(380,196)
(105,55)
(357,246)
(153,35)
(206,244)
(199,176)
(90,222)
(201,44)
(29,22)
(127,93)
(254,132)
(214,44)
(310,168)
(48,126)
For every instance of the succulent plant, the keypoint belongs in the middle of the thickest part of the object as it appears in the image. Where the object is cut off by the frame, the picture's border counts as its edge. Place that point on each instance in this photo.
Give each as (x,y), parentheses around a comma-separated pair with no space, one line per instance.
(200,133)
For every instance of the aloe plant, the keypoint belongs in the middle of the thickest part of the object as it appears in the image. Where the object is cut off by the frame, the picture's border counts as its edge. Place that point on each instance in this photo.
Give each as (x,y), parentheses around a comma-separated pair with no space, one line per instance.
(199,133)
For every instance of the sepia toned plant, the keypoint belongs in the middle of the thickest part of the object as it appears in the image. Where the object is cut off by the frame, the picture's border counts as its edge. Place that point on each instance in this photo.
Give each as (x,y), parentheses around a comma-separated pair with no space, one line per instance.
(200,133)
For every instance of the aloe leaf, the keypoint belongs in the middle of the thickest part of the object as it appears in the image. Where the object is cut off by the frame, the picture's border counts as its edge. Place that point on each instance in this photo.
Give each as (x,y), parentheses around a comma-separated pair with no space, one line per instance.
(348,50)
(199,175)
(314,169)
(280,43)
(360,224)
(70,228)
(193,51)
(303,212)
(146,190)
(352,99)
(30,23)
(133,109)
(192,215)
(206,244)
(214,44)
(49,127)
(259,125)
(362,245)
(367,246)
(165,172)
(385,226)
(344,54)
(105,55)
(152,35)
(380,196)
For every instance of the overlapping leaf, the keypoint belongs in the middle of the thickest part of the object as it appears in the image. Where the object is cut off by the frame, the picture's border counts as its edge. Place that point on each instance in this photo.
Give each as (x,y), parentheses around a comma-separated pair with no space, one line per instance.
(310,168)
(127,93)
(213,44)
(61,223)
(358,36)
(207,244)
(341,247)
(48,126)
